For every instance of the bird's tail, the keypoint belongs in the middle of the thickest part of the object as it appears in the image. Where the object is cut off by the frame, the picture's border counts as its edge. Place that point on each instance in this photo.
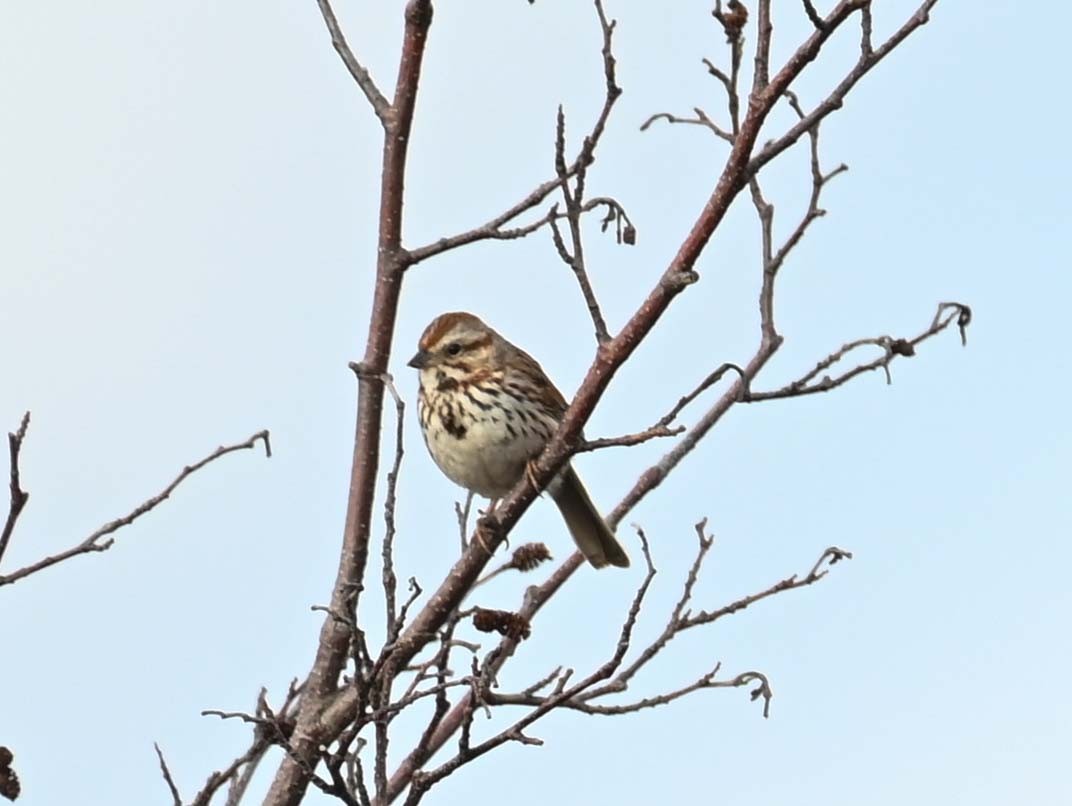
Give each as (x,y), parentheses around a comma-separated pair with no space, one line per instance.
(590,532)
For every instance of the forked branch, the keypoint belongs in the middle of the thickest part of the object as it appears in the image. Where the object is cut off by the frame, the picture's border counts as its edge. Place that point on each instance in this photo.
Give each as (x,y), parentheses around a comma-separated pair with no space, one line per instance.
(331,713)
(100,539)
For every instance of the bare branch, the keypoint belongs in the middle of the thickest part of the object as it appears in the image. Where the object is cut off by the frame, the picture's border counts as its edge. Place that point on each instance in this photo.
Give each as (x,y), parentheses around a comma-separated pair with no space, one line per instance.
(493,229)
(463,518)
(868,59)
(515,733)
(680,620)
(245,767)
(819,182)
(390,581)
(867,49)
(654,432)
(830,556)
(773,260)
(813,15)
(701,119)
(572,198)
(380,105)
(19,496)
(175,796)
(97,542)
(703,386)
(239,772)
(764,30)
(651,478)
(706,681)
(892,348)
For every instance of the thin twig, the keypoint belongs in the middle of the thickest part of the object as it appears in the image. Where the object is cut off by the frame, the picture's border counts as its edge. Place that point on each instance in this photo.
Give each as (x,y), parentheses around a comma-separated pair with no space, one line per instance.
(701,119)
(380,105)
(813,15)
(390,581)
(96,542)
(810,383)
(240,771)
(627,440)
(834,101)
(176,798)
(19,496)
(829,557)
(574,258)
(702,387)
(463,518)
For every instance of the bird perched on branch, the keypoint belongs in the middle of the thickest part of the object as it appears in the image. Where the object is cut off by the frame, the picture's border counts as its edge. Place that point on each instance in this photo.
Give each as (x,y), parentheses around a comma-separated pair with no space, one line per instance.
(487,409)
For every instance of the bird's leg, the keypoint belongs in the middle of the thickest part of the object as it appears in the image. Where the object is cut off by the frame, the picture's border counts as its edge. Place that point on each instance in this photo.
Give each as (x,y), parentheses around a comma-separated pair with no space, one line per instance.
(481,526)
(530,473)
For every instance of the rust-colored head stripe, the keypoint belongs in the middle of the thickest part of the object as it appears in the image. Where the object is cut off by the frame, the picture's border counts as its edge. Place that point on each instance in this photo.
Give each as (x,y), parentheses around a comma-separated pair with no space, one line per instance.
(443,324)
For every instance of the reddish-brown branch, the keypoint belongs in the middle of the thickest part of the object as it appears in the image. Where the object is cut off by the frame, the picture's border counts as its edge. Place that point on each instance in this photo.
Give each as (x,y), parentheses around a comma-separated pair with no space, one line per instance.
(291,779)
(100,540)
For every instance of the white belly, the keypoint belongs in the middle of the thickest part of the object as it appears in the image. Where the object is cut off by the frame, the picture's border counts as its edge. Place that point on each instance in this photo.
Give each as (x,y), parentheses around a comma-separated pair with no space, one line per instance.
(481,449)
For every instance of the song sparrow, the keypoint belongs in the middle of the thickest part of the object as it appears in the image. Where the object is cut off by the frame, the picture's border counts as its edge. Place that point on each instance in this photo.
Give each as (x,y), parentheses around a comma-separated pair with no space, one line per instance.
(486,410)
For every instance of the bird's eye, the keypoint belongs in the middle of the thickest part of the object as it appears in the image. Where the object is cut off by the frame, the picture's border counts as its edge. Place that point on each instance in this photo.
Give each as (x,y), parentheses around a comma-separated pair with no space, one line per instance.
(454,348)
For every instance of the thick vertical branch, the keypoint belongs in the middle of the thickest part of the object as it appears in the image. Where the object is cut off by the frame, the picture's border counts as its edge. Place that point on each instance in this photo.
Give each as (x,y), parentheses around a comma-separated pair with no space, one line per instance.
(291,779)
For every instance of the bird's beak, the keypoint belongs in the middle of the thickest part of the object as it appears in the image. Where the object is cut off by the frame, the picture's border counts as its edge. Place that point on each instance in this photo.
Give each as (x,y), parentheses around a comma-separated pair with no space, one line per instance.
(419,361)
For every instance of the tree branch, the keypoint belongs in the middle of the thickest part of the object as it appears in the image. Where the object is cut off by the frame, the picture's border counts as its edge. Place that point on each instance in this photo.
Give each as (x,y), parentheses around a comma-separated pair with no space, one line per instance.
(326,710)
(291,779)
(493,229)
(891,349)
(701,119)
(380,105)
(96,541)
(867,60)
(19,496)
(176,798)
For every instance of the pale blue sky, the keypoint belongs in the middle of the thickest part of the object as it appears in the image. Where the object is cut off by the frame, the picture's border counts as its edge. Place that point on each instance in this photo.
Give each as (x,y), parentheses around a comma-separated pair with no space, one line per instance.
(188,197)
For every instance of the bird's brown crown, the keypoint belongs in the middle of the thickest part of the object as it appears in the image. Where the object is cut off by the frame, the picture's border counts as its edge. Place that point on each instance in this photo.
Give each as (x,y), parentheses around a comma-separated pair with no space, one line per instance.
(449,324)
